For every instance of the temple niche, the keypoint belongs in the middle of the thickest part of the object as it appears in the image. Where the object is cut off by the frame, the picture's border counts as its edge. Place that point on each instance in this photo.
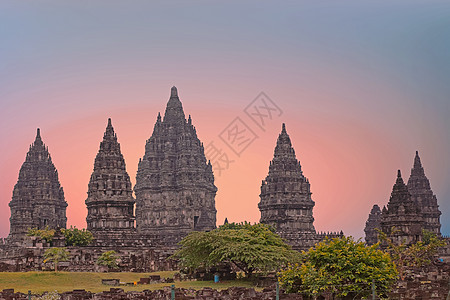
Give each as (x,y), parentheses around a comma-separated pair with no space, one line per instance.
(38,198)
(286,201)
(175,191)
(110,201)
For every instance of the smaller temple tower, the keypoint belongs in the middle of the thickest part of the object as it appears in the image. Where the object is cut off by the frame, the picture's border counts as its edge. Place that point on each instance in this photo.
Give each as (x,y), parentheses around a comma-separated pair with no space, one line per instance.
(38,198)
(403,213)
(420,190)
(373,223)
(110,201)
(286,202)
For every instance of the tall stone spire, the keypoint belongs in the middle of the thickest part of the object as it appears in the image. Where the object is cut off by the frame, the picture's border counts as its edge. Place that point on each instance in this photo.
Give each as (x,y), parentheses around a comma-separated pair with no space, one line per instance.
(420,189)
(285,196)
(373,223)
(403,213)
(175,188)
(38,198)
(110,201)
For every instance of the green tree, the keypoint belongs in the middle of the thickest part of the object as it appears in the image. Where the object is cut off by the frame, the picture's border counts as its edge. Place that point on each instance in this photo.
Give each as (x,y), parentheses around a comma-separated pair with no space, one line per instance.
(45,234)
(108,259)
(56,255)
(340,266)
(248,247)
(77,237)
(418,254)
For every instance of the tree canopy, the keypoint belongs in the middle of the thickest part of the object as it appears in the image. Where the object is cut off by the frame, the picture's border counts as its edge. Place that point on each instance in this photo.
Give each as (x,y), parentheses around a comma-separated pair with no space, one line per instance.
(418,254)
(108,259)
(73,236)
(249,247)
(56,255)
(77,237)
(340,266)
(45,234)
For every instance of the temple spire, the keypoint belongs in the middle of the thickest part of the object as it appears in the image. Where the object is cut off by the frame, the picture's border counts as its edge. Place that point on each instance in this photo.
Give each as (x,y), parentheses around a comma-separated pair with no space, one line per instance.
(38,139)
(109,132)
(110,197)
(174,110)
(399,178)
(420,189)
(173,92)
(38,198)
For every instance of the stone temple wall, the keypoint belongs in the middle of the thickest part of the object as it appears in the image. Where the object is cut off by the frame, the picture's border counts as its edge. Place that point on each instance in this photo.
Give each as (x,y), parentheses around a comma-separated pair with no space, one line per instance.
(83,259)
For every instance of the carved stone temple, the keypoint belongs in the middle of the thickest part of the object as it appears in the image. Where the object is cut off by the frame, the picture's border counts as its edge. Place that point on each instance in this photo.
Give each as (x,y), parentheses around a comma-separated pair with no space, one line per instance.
(410,209)
(420,190)
(286,201)
(373,223)
(38,198)
(175,191)
(403,213)
(110,201)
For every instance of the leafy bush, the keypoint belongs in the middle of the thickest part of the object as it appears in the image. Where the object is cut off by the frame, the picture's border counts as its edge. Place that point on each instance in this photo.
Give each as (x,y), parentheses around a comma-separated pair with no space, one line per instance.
(108,259)
(340,266)
(249,247)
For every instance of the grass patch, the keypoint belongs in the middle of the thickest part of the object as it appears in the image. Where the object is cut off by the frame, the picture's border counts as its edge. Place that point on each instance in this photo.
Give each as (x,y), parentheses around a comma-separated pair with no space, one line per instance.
(39,282)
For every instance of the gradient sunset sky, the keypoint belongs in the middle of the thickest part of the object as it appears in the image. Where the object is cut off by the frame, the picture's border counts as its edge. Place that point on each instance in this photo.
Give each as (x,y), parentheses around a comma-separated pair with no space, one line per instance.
(361,85)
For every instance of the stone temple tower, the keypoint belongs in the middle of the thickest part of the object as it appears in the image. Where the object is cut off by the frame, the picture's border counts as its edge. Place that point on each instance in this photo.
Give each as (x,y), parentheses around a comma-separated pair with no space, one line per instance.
(285,196)
(175,191)
(420,190)
(38,198)
(110,201)
(373,223)
(403,213)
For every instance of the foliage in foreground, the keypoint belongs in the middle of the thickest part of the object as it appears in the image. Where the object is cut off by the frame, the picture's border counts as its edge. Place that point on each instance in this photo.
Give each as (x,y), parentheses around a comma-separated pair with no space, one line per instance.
(419,254)
(45,234)
(340,266)
(55,255)
(77,237)
(73,236)
(108,259)
(249,247)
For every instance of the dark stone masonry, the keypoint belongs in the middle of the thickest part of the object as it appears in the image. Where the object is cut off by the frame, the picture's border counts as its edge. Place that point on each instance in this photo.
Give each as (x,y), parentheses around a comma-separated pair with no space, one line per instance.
(175,195)
(175,191)
(286,201)
(38,198)
(411,208)
(110,201)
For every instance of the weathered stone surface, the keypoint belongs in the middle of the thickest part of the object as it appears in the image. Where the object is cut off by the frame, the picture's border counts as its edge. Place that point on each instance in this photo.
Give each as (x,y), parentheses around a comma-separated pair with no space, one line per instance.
(286,200)
(84,259)
(411,208)
(403,213)
(110,201)
(420,190)
(175,188)
(38,198)
(373,223)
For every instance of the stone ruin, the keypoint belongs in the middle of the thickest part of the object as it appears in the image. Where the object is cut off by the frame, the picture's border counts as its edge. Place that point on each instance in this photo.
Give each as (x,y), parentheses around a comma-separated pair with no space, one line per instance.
(175,194)
(410,209)
(110,201)
(38,198)
(286,202)
(175,191)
